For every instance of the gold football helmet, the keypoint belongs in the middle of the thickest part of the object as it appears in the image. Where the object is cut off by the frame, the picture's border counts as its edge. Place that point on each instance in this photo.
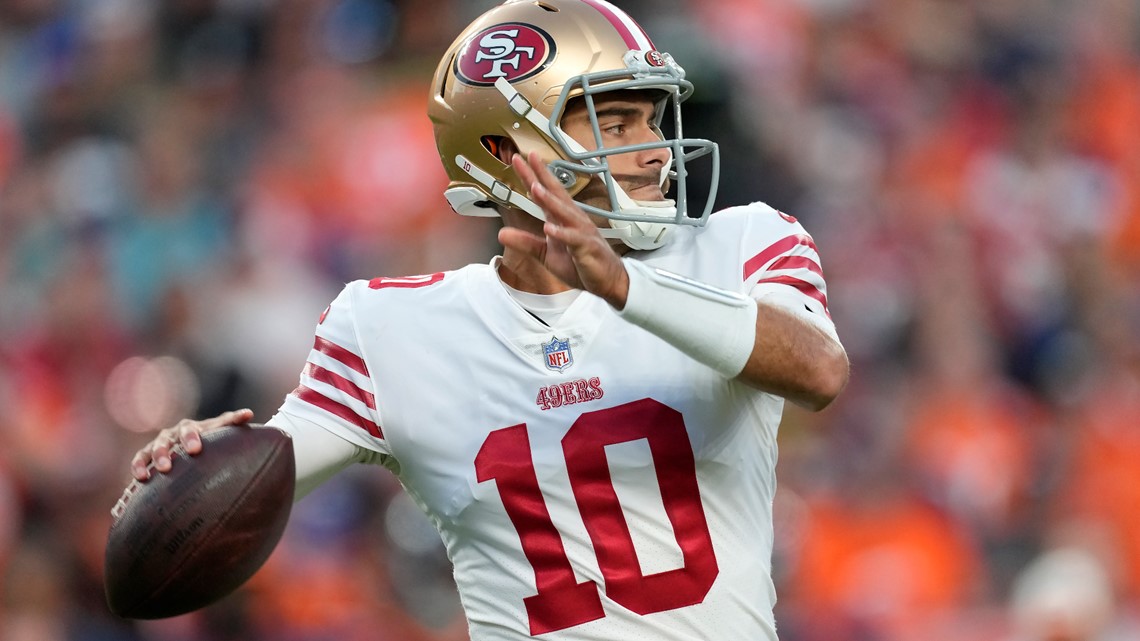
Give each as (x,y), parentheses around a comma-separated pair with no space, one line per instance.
(510,75)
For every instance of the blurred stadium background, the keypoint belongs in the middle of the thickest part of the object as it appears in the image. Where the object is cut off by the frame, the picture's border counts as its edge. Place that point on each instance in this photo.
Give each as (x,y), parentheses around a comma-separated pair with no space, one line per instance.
(185,184)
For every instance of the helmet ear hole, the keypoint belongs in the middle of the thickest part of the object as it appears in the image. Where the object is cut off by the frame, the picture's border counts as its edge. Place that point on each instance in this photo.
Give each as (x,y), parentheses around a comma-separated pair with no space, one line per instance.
(501,147)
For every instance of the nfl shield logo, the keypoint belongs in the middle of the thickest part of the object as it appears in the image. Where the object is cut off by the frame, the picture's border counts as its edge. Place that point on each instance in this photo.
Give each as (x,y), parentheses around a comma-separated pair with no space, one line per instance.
(556,354)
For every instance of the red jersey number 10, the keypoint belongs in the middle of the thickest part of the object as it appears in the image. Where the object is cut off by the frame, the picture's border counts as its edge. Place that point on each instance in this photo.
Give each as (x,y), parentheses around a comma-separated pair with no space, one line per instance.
(561,601)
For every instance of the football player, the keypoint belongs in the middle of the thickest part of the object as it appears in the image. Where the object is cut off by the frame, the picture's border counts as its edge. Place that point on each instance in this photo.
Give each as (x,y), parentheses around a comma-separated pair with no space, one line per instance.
(590,418)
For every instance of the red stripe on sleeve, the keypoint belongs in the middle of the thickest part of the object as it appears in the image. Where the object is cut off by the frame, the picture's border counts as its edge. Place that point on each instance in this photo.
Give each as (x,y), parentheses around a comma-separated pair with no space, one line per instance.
(329,348)
(796,262)
(807,288)
(412,282)
(775,249)
(313,397)
(316,372)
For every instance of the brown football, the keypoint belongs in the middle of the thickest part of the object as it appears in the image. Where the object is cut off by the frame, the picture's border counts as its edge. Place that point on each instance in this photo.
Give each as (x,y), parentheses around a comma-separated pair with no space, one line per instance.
(185,539)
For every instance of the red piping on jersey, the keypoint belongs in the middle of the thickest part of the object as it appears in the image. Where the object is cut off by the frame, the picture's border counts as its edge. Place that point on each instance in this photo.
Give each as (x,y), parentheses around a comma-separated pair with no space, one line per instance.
(807,288)
(412,282)
(796,262)
(775,249)
(622,29)
(332,379)
(313,397)
(341,354)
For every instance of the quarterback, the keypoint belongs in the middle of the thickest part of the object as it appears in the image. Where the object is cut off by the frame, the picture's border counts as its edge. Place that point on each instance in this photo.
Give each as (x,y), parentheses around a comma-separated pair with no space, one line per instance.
(604,464)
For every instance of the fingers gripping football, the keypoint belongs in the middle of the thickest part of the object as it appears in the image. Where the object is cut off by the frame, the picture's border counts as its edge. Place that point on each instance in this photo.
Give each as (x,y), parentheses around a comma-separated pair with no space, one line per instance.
(186,433)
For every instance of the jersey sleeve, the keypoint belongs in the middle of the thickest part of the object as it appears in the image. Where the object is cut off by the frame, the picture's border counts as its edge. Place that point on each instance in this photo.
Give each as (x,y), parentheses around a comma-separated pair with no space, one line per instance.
(319,453)
(782,266)
(335,389)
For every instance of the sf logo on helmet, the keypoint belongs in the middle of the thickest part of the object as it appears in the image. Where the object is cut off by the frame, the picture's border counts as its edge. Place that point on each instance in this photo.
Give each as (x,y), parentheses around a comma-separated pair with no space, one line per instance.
(512,51)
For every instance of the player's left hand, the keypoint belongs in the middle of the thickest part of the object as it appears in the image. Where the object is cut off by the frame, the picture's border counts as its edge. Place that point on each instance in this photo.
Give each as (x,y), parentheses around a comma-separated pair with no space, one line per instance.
(188,434)
(573,249)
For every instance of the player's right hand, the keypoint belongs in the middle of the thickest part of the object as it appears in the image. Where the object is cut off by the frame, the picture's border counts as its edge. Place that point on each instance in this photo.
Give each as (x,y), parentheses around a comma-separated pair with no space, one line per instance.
(573,249)
(187,434)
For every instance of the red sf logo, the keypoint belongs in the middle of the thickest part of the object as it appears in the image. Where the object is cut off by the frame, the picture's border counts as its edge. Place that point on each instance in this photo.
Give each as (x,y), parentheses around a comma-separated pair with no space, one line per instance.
(654,58)
(512,51)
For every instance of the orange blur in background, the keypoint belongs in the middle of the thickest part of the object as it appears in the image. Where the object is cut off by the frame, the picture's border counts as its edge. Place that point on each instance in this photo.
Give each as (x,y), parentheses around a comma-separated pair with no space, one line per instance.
(185,185)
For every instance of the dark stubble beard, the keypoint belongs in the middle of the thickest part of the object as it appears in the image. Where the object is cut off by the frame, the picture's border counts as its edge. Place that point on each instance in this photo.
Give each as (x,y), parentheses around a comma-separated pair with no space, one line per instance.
(595,194)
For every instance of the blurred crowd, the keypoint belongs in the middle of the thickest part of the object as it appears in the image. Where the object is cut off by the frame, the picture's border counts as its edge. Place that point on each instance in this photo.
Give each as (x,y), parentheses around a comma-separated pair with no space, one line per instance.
(185,184)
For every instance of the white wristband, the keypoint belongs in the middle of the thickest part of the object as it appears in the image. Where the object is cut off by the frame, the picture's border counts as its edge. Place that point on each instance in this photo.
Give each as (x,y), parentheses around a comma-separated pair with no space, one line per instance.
(714,326)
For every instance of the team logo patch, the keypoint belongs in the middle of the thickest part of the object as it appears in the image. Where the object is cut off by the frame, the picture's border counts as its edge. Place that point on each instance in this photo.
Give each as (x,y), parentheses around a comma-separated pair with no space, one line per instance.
(513,51)
(654,58)
(556,354)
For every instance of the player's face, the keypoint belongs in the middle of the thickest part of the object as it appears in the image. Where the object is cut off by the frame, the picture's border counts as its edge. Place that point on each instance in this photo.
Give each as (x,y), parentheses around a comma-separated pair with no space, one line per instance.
(624,118)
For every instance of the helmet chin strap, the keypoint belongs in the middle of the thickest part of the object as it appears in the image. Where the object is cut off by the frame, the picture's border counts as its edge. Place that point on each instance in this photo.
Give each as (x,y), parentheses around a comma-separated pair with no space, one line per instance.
(636,235)
(640,236)
(644,235)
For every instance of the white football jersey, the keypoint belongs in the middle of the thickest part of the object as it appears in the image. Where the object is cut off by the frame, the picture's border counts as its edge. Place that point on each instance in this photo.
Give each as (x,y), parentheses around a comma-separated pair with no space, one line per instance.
(589,480)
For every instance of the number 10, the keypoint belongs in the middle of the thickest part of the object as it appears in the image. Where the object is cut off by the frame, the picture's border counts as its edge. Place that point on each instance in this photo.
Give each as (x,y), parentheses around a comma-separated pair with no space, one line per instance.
(561,601)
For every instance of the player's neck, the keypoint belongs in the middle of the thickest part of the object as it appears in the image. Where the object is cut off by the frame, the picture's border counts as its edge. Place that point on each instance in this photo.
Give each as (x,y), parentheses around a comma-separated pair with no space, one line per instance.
(527,275)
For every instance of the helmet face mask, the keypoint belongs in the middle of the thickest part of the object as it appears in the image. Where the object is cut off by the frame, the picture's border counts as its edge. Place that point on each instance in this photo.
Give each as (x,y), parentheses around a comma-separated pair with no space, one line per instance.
(514,73)
(667,79)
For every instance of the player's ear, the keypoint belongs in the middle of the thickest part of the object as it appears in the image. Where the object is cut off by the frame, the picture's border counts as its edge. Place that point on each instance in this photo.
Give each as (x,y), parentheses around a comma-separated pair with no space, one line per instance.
(506,149)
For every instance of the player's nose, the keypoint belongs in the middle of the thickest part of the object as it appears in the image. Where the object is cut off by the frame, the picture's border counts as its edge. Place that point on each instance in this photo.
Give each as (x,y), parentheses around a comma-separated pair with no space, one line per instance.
(655,157)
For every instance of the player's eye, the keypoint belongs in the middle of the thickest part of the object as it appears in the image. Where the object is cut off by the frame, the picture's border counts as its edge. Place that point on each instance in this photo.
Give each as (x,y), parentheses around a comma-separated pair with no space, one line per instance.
(615,129)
